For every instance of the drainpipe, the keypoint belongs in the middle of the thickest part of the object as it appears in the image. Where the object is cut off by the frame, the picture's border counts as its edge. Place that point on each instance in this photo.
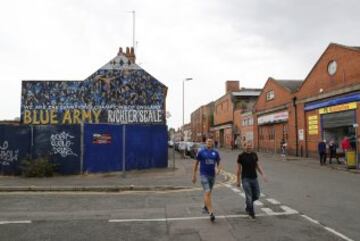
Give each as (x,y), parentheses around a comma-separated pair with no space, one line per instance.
(296,127)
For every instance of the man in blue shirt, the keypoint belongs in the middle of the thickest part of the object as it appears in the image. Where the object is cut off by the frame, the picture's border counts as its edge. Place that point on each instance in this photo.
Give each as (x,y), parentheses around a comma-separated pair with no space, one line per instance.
(209,160)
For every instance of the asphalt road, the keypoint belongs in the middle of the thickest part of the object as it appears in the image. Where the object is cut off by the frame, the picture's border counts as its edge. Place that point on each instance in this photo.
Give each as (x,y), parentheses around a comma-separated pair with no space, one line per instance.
(301,201)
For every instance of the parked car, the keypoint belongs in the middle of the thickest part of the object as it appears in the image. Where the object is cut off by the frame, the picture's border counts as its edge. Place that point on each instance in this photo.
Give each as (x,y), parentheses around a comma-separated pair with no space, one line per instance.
(195,148)
(188,146)
(170,143)
(181,146)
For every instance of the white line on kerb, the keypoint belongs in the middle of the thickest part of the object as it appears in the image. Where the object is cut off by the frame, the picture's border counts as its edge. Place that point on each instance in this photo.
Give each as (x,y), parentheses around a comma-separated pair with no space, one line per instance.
(178,218)
(258,203)
(273,201)
(15,222)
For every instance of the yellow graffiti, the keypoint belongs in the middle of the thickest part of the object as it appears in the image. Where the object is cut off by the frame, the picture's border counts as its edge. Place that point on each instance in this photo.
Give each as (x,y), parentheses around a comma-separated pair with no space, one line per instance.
(45,117)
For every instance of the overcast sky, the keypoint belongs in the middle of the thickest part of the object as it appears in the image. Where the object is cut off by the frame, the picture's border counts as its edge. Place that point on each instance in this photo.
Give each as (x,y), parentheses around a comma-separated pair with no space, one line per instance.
(210,41)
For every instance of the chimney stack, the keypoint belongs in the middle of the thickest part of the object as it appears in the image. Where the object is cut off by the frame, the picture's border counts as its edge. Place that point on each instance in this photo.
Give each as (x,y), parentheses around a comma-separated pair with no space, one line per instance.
(130,54)
(232,86)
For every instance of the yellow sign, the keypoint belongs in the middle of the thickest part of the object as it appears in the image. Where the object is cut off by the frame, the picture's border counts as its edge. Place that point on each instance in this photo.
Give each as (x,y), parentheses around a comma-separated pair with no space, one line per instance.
(313,122)
(313,132)
(337,108)
(313,125)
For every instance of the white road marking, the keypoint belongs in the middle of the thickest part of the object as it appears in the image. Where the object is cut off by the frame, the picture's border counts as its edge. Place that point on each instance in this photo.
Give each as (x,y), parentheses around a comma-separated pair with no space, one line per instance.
(235,190)
(15,222)
(287,211)
(310,219)
(333,231)
(258,203)
(273,201)
(338,234)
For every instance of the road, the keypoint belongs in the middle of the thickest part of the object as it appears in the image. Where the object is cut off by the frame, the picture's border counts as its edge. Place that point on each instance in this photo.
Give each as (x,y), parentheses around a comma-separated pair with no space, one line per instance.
(301,201)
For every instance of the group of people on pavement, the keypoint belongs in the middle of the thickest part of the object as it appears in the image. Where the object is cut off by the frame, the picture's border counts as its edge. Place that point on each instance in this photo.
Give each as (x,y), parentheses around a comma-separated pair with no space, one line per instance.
(332,146)
(246,170)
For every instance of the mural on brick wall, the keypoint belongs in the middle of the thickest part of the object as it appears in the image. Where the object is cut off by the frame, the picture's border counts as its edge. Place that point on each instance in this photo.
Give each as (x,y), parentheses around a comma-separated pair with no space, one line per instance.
(120,92)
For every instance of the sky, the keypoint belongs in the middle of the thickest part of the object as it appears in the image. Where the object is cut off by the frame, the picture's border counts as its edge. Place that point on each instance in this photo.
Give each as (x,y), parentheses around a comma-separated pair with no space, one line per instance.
(210,41)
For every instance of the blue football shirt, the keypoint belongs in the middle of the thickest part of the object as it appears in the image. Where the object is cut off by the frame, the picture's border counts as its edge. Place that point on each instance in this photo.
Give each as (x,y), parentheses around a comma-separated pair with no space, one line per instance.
(208,158)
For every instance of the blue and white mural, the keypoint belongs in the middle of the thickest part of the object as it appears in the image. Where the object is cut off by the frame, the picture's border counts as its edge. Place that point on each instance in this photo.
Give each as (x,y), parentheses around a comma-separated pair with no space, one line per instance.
(119,92)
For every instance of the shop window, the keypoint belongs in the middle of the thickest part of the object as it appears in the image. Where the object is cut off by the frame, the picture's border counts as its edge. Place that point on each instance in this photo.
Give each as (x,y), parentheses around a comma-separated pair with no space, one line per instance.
(270,95)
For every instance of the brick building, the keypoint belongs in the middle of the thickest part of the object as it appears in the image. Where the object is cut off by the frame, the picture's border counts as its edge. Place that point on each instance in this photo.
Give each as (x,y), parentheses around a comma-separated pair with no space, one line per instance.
(235,99)
(246,135)
(187,132)
(275,117)
(328,100)
(201,121)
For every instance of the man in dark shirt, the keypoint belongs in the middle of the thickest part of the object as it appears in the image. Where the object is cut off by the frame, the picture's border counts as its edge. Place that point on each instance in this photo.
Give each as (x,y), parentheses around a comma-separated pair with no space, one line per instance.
(248,164)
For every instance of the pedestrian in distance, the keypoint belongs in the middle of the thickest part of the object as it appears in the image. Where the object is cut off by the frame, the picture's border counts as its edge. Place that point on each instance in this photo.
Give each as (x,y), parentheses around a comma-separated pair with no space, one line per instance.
(345,145)
(209,160)
(322,152)
(332,149)
(247,167)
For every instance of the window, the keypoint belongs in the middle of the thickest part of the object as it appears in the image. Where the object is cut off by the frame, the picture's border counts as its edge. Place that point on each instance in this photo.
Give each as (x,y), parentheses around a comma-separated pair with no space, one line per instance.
(270,95)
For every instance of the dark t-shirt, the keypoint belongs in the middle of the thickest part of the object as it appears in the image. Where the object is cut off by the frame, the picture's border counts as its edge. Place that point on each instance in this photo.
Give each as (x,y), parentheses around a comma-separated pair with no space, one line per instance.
(248,161)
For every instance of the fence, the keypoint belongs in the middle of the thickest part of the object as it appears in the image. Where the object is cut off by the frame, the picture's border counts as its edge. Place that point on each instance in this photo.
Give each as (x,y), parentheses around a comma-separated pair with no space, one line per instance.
(84,148)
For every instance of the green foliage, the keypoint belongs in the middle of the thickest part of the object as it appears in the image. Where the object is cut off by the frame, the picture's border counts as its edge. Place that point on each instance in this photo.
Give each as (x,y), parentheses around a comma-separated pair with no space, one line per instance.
(40,167)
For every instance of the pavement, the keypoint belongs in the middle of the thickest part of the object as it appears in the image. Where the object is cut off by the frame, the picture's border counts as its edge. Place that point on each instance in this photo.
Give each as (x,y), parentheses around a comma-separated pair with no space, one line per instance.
(176,177)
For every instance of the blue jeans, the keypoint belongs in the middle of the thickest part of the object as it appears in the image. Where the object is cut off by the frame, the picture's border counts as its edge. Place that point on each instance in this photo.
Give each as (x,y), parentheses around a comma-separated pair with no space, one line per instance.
(207,182)
(252,192)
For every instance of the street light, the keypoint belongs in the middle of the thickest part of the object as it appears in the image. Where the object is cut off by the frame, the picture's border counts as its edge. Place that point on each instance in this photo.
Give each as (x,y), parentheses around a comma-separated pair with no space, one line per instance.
(183,95)
(183,120)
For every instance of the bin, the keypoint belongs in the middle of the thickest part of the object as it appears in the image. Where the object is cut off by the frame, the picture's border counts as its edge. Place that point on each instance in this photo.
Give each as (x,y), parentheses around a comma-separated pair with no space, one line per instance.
(350,159)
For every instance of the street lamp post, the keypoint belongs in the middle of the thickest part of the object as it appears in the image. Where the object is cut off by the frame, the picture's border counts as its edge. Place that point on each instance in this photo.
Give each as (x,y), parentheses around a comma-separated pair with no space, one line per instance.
(183,109)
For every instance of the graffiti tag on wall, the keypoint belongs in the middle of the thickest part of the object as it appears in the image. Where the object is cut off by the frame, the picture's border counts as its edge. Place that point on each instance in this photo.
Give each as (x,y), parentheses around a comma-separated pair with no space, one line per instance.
(7,156)
(61,144)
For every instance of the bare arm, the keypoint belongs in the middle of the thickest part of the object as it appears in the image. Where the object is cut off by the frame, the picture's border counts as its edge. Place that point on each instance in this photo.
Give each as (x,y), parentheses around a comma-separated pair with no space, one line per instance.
(261,171)
(219,167)
(238,174)
(195,171)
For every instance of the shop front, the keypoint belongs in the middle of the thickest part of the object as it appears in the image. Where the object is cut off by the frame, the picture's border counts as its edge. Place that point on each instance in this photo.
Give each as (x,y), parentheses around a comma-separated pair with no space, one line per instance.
(273,131)
(332,120)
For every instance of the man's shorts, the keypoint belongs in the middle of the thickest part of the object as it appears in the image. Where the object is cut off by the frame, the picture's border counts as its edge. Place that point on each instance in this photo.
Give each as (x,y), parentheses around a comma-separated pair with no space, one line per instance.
(207,183)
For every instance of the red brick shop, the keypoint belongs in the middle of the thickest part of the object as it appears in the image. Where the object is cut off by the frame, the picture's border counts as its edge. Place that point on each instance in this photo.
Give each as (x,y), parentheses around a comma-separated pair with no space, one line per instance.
(324,106)
(275,116)
(328,100)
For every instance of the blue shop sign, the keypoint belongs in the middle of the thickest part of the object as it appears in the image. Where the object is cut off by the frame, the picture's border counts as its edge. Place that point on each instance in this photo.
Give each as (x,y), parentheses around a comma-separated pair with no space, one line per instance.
(333,101)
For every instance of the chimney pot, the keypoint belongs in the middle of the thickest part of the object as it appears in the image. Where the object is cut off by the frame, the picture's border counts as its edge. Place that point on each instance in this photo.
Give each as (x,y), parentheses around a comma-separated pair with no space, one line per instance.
(120,51)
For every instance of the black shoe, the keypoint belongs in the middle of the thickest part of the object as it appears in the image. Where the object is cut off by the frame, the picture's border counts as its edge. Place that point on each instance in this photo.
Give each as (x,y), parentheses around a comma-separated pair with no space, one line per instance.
(205,210)
(251,213)
(212,217)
